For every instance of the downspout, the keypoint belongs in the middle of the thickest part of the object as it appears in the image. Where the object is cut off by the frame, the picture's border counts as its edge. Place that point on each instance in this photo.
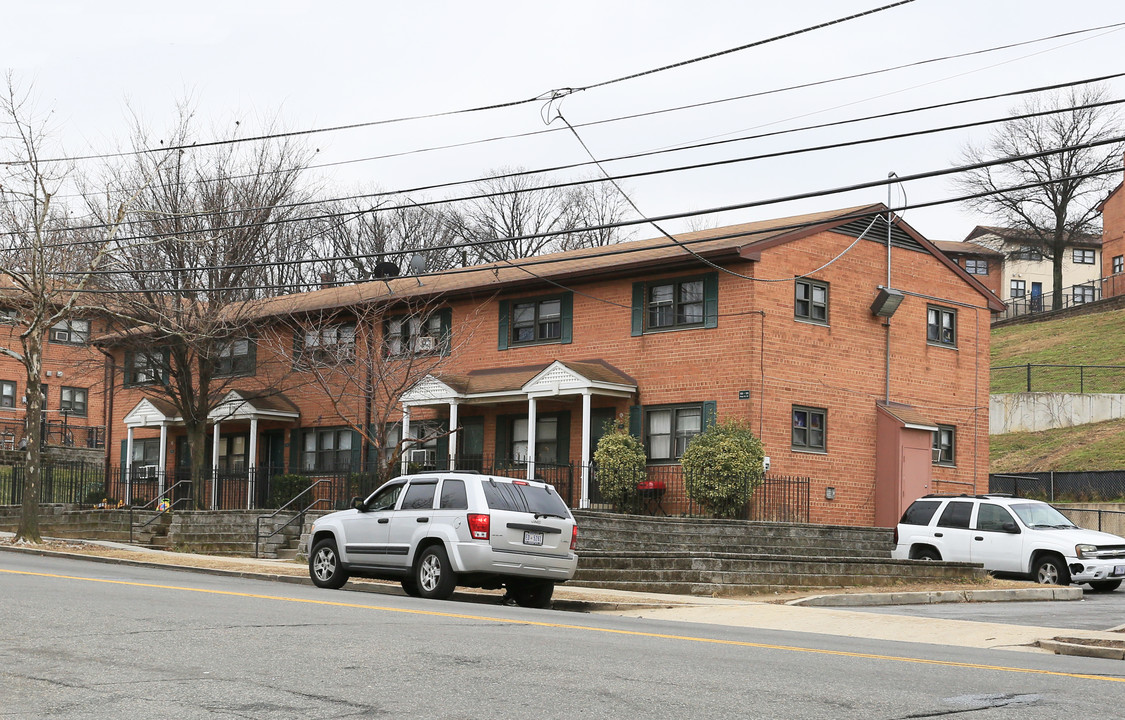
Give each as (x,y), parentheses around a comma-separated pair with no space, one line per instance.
(887,321)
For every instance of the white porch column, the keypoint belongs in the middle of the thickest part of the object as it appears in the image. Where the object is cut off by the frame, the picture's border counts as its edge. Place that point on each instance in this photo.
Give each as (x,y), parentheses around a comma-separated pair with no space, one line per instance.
(215,465)
(127,470)
(531,438)
(405,434)
(452,434)
(252,463)
(584,501)
(162,467)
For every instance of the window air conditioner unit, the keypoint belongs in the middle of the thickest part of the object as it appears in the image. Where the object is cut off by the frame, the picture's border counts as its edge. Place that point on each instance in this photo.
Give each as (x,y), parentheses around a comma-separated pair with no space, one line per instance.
(146,472)
(60,335)
(424,458)
(426,343)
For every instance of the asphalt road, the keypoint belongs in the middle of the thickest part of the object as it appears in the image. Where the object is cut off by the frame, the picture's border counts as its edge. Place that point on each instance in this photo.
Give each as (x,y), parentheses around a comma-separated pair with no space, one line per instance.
(87,640)
(1095,611)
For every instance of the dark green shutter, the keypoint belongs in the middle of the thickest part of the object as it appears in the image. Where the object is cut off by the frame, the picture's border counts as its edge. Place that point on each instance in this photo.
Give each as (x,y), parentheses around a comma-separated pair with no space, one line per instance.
(357,451)
(566,315)
(711,300)
(294,451)
(564,439)
(251,356)
(710,413)
(165,365)
(124,461)
(635,420)
(298,346)
(503,440)
(502,340)
(127,371)
(445,318)
(638,308)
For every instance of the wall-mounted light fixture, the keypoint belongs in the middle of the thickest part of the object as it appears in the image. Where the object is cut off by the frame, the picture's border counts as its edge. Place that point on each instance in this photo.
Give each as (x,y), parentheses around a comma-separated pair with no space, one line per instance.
(886,302)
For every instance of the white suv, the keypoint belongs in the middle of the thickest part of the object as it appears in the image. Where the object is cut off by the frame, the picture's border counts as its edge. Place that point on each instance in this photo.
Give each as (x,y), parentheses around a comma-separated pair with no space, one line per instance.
(438,530)
(1010,535)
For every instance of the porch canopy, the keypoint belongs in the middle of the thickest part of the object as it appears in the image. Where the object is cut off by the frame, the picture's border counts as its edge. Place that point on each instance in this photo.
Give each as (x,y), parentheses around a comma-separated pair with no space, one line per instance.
(529,383)
(236,405)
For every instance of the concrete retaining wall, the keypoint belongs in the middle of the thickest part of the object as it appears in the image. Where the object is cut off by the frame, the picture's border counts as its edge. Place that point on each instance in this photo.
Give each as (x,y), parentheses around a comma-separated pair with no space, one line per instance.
(1111,517)
(1032,412)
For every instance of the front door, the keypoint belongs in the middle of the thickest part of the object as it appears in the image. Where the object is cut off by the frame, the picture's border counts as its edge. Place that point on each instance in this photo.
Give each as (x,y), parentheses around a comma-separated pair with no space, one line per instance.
(470,442)
(1036,296)
(366,533)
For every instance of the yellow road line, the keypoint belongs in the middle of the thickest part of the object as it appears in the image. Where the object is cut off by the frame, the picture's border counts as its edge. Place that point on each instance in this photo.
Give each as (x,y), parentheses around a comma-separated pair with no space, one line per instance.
(567,626)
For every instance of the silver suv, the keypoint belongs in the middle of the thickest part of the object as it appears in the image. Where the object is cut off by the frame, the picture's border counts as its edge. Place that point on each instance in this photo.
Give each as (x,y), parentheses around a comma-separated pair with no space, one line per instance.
(435,531)
(1010,535)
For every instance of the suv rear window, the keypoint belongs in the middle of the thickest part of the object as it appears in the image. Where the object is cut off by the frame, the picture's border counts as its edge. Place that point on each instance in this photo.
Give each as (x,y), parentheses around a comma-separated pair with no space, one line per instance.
(524,498)
(920,512)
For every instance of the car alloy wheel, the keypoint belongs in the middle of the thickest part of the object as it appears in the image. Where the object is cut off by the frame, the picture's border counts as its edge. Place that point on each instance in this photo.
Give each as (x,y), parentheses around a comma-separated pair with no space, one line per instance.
(429,574)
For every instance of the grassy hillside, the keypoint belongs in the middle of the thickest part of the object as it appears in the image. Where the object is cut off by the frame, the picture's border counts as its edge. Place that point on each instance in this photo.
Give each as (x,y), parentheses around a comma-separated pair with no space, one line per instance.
(1097,339)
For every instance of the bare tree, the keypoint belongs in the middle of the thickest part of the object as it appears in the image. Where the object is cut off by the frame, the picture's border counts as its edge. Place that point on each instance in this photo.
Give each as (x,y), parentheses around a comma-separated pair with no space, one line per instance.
(367,242)
(213,238)
(521,215)
(36,248)
(360,361)
(1063,209)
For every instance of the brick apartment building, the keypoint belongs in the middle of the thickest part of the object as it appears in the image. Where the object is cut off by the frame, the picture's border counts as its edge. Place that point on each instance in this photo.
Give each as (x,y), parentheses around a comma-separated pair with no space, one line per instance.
(877,396)
(1113,243)
(73,377)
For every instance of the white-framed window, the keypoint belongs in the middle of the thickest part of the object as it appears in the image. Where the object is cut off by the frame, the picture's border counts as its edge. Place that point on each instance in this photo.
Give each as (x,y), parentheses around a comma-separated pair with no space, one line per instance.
(941,326)
(329,345)
(235,358)
(412,335)
(668,430)
(1083,294)
(811,301)
(976,266)
(536,320)
(944,445)
(73,401)
(326,450)
(7,394)
(1084,257)
(71,331)
(1118,264)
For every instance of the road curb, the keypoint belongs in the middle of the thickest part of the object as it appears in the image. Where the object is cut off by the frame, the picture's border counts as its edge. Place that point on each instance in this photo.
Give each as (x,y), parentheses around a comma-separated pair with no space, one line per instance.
(1060,646)
(1040,594)
(366,586)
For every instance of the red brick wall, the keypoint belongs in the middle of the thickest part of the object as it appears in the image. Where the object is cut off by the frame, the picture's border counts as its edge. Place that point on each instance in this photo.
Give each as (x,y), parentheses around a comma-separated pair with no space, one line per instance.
(760,347)
(64,365)
(1113,243)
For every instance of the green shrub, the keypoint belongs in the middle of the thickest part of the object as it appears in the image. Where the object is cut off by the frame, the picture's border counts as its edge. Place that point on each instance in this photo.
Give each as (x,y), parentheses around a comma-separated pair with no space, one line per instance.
(284,488)
(722,466)
(620,461)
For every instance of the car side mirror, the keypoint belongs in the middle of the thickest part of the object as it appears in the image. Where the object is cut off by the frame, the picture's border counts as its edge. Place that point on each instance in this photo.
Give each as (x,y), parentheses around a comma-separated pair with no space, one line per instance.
(1010,527)
(359,504)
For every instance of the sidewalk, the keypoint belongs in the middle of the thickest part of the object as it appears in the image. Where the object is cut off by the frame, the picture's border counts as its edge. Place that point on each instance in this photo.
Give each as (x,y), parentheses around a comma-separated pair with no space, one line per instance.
(806,614)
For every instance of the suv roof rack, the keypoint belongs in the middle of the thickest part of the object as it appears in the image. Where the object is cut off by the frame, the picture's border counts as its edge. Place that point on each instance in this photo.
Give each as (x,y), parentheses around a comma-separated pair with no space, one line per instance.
(967,495)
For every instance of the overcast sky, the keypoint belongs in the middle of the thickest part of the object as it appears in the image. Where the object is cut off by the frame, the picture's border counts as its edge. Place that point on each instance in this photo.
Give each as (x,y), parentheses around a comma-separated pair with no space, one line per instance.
(319,64)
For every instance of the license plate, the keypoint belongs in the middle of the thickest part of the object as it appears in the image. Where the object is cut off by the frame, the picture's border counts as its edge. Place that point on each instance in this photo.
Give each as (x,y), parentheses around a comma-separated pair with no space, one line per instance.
(1119,569)
(532,538)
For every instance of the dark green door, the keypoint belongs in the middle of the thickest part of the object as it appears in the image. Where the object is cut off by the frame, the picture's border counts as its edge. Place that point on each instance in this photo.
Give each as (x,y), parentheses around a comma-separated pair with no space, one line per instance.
(470,442)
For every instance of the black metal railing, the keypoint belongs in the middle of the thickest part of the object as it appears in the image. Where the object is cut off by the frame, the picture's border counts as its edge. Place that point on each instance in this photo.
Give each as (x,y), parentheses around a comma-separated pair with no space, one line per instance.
(64,433)
(1094,486)
(1031,377)
(73,483)
(1072,296)
(310,501)
(1102,520)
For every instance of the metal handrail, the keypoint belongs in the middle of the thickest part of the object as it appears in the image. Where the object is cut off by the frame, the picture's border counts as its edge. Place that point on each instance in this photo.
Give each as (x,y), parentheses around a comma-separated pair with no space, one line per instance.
(300,514)
(150,502)
(1099,511)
